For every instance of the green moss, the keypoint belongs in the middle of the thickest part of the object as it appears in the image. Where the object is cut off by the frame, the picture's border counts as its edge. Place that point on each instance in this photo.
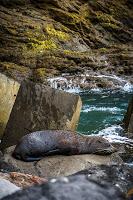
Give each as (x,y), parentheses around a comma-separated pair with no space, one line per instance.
(11,67)
(56,33)
(82,16)
(40,72)
(107,20)
(109,25)
(67,52)
(42,45)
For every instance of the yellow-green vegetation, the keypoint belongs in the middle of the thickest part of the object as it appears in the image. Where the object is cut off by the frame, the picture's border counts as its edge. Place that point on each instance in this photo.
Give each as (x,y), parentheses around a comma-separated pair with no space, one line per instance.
(56,33)
(109,25)
(40,72)
(42,45)
(82,16)
(69,52)
(107,20)
(103,50)
(38,42)
(11,67)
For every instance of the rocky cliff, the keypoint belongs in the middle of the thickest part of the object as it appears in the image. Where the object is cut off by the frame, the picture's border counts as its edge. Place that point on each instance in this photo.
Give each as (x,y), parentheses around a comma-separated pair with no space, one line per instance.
(43,38)
(128,120)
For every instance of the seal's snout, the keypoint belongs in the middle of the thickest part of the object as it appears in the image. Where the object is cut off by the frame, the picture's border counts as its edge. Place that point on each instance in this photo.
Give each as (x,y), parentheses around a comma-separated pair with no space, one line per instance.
(113,149)
(108,150)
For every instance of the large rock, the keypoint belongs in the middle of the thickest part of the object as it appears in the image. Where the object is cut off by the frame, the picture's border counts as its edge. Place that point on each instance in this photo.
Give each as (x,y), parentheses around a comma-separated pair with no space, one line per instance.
(39,107)
(118,175)
(77,187)
(128,120)
(8,92)
(56,166)
(6,188)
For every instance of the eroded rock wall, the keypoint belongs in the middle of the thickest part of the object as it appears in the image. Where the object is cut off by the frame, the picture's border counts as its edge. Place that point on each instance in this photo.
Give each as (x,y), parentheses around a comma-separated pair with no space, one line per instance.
(128,120)
(8,92)
(44,38)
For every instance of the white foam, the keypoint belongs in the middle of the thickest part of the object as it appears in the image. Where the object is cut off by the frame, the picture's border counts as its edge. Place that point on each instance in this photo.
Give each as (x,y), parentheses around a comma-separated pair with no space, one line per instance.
(112,130)
(112,135)
(71,83)
(128,87)
(101,109)
(74,90)
(119,139)
(96,90)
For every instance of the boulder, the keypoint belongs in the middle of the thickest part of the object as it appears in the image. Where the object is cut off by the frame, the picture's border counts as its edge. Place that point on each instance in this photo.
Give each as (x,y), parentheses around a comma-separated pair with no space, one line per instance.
(39,107)
(60,165)
(8,92)
(118,175)
(128,120)
(77,187)
(7,188)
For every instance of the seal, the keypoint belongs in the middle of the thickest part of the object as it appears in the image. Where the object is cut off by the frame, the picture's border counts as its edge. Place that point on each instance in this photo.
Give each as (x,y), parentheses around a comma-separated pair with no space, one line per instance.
(36,145)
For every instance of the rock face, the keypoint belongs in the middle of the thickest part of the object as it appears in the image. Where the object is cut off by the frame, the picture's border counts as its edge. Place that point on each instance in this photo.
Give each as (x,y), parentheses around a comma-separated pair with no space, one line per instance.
(118,175)
(7,188)
(39,107)
(55,166)
(77,187)
(8,92)
(40,38)
(128,120)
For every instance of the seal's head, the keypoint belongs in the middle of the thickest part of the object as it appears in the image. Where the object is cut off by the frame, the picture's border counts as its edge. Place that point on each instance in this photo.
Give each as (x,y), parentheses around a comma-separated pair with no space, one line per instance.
(100,145)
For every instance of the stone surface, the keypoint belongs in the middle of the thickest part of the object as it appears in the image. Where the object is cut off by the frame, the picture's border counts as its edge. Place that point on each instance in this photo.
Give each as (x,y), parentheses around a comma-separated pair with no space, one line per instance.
(8,92)
(7,188)
(40,38)
(39,107)
(128,120)
(118,175)
(7,167)
(55,166)
(77,187)
(22,180)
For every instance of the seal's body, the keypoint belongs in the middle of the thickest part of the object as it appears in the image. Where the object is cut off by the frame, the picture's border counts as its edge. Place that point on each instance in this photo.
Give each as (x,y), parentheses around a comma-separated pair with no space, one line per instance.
(36,145)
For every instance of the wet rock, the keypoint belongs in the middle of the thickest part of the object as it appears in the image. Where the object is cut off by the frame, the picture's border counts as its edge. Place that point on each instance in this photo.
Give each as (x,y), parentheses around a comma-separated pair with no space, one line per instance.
(55,166)
(7,188)
(39,107)
(7,167)
(118,175)
(88,80)
(22,180)
(8,92)
(128,120)
(76,187)
(56,37)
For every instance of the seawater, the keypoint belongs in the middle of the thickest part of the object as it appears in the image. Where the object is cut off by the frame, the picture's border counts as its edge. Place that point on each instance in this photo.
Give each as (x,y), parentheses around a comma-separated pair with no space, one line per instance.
(103,112)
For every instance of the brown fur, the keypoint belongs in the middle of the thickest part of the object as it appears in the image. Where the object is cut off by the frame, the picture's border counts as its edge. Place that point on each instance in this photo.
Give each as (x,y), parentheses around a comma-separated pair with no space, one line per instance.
(36,145)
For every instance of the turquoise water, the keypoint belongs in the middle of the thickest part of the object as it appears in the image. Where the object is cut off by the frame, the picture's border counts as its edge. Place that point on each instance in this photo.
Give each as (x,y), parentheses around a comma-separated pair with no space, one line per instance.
(102,111)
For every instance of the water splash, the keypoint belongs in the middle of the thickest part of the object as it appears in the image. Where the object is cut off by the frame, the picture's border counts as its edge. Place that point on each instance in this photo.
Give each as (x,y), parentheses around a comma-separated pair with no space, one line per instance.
(102,109)
(80,83)
(128,87)
(112,134)
(114,130)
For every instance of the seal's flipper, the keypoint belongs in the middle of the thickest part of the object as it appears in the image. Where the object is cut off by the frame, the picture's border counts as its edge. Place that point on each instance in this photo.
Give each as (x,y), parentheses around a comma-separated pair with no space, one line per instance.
(52,152)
